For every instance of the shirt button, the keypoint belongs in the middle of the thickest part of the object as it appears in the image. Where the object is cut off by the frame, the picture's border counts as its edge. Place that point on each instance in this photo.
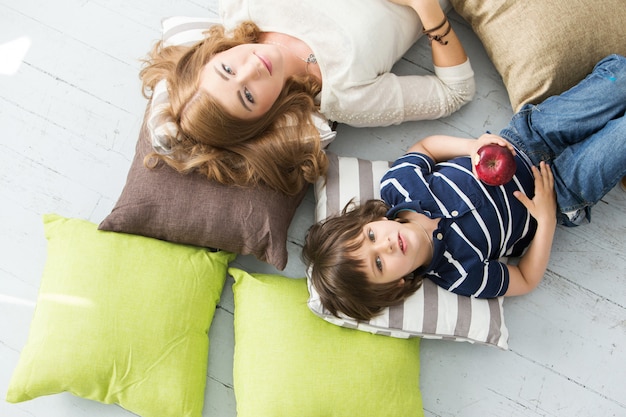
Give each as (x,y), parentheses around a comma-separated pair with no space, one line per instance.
(439,236)
(455,213)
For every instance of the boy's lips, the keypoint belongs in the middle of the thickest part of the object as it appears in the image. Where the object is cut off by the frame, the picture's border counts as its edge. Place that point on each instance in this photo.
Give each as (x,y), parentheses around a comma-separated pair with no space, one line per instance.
(401,244)
(265,62)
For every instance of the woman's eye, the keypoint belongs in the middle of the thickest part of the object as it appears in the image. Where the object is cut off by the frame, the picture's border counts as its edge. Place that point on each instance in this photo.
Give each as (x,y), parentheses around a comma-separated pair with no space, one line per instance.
(379,264)
(248,95)
(370,235)
(227,69)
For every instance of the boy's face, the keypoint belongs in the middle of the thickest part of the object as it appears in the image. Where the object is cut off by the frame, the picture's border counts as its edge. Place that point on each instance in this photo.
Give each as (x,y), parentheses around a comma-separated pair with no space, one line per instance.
(391,250)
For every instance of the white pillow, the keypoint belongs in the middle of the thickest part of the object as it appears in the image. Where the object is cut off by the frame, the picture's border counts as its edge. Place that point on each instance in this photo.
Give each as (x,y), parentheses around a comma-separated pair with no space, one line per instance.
(182,30)
(431,312)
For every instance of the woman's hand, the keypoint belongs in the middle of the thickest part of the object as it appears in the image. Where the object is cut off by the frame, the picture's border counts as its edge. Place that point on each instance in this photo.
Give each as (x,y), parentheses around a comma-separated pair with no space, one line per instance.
(403,2)
(415,4)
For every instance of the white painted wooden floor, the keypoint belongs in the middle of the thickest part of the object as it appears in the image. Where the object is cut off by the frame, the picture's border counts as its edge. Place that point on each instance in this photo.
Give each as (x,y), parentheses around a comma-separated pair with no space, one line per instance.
(70,113)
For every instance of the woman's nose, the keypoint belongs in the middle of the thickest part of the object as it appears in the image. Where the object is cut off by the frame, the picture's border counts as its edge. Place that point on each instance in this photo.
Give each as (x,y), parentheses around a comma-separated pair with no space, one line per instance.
(250,70)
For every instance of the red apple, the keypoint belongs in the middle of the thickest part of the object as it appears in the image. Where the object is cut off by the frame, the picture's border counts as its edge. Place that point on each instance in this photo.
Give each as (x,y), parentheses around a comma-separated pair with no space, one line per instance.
(494,164)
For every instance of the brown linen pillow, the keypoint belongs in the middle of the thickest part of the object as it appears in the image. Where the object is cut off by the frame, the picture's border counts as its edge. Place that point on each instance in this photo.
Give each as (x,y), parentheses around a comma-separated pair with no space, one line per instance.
(191,209)
(542,48)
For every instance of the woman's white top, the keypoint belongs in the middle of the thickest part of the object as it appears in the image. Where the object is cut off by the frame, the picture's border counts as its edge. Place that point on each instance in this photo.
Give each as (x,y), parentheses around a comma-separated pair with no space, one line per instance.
(356,43)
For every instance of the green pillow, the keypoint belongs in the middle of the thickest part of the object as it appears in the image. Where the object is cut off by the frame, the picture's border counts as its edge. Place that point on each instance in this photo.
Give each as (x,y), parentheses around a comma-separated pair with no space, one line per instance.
(121,319)
(288,362)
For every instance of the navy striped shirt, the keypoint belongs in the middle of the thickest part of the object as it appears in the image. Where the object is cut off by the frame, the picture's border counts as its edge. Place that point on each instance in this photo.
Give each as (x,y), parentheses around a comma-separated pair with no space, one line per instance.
(479,223)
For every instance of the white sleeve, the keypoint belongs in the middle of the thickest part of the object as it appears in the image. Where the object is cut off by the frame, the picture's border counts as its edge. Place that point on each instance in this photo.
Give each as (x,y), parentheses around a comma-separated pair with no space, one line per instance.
(439,95)
(393,99)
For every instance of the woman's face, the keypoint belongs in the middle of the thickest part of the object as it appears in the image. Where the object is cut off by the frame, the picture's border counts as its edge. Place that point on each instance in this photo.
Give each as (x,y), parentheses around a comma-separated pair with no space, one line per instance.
(246,79)
(391,250)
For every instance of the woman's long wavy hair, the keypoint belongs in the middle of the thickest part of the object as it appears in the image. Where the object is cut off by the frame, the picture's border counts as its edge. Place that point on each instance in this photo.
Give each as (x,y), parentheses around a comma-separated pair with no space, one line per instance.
(338,276)
(281,149)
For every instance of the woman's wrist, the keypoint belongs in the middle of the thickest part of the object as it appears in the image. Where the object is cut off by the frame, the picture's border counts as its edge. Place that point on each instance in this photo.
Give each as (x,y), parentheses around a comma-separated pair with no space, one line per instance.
(438,32)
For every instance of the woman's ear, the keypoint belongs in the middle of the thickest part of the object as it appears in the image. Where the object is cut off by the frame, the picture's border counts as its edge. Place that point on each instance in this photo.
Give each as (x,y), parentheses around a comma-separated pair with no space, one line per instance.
(401,282)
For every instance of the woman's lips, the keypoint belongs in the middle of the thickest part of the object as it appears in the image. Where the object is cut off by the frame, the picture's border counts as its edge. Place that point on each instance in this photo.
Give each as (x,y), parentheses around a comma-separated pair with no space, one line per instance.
(265,62)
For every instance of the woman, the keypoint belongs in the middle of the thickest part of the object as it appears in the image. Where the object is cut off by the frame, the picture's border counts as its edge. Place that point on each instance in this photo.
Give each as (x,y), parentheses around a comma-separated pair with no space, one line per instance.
(244,97)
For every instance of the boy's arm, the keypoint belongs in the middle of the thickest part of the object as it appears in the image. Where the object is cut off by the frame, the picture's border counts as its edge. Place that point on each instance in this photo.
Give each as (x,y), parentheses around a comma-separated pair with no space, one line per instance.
(532,266)
(441,148)
(524,277)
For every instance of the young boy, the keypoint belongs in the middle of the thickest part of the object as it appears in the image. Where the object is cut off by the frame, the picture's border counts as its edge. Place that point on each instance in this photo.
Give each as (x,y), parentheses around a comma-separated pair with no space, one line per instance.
(439,221)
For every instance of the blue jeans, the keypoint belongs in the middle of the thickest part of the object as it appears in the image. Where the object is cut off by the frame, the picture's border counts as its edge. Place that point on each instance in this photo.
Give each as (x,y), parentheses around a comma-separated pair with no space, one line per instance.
(581,134)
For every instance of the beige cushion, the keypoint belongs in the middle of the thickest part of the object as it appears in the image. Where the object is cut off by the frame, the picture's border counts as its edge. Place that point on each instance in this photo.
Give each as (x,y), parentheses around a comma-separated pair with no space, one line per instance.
(542,48)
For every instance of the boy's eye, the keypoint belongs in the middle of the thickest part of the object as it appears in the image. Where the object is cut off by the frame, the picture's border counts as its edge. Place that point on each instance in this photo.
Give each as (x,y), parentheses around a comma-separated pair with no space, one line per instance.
(379,264)
(227,69)
(248,95)
(377,261)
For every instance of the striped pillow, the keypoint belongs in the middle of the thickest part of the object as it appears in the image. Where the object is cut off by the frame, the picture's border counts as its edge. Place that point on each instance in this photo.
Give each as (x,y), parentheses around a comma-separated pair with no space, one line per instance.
(431,312)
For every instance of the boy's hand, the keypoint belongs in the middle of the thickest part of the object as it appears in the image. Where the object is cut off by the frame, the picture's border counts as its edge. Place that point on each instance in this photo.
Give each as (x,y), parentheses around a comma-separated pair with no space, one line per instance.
(543,205)
(487,139)
(532,266)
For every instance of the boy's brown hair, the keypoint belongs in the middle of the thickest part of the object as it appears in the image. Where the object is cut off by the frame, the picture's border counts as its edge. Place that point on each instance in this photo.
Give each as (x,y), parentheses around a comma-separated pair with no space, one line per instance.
(337,276)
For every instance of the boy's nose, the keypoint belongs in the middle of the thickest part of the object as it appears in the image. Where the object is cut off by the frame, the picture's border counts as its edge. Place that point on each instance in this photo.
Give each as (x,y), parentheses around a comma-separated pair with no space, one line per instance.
(385,245)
